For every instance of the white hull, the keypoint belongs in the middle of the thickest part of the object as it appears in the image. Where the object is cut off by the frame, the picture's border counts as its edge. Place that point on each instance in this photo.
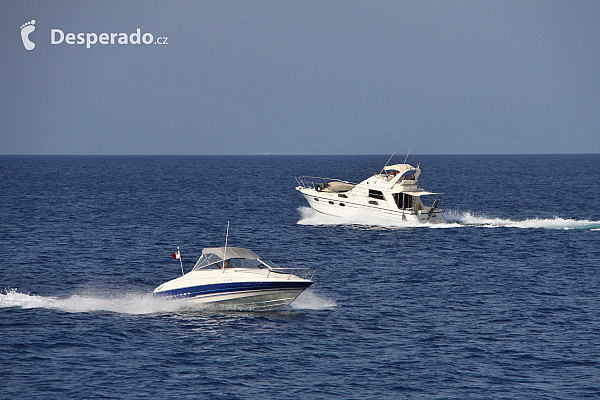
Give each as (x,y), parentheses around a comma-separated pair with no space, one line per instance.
(331,204)
(393,194)
(268,300)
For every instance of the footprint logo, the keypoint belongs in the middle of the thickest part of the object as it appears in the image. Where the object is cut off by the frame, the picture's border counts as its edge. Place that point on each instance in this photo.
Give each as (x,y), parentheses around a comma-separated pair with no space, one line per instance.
(26,29)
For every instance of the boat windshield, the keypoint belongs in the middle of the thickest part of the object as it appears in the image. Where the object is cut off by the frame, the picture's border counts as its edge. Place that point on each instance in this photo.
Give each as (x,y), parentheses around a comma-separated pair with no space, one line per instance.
(212,261)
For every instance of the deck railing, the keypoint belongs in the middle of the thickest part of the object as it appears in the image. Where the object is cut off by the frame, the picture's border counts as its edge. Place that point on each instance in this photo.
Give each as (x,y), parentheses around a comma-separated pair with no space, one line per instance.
(304,273)
(301,272)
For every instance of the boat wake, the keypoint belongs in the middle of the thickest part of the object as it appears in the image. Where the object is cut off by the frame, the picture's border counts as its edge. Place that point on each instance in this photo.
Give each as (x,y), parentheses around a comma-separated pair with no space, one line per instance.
(309,300)
(455,219)
(470,219)
(133,303)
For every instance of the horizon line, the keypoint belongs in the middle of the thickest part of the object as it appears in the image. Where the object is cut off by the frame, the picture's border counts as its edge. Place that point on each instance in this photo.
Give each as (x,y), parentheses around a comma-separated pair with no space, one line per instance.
(286,155)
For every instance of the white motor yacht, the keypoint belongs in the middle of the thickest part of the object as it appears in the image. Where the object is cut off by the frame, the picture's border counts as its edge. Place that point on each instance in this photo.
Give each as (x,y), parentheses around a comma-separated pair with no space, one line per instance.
(236,278)
(392,193)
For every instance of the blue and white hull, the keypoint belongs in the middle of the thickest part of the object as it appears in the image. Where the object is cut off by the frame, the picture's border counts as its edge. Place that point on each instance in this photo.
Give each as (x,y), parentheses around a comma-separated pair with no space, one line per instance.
(243,295)
(236,278)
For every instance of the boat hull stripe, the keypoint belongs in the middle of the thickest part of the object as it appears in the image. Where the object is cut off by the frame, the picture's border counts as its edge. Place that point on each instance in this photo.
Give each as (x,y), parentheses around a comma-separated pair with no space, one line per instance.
(228,287)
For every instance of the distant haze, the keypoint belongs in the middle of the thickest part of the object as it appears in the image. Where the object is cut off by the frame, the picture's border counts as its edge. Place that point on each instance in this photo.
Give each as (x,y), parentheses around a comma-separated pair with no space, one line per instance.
(301,77)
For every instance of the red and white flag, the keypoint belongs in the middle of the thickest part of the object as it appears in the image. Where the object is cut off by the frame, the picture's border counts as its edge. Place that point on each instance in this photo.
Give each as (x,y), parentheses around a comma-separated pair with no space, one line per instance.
(176,256)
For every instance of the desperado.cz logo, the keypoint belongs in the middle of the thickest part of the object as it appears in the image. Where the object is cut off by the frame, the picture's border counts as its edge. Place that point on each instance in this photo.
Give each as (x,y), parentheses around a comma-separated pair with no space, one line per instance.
(57,36)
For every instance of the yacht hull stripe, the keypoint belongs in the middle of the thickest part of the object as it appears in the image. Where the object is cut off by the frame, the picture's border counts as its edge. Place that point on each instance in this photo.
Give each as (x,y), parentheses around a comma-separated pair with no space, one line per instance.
(229,287)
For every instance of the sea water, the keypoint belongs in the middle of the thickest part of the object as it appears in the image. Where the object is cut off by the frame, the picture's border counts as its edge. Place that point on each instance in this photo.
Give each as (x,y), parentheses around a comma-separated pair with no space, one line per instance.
(501,302)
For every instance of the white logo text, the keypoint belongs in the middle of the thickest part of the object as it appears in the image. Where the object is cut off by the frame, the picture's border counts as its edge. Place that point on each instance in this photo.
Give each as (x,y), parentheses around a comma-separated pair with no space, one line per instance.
(57,36)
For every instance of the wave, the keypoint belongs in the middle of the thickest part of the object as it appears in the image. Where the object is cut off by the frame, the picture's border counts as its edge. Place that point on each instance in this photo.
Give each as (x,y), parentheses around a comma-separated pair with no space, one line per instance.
(471,219)
(309,300)
(455,219)
(132,303)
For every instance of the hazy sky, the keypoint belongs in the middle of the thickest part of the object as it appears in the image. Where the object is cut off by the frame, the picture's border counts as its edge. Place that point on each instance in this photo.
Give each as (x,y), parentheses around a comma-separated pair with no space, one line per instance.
(301,77)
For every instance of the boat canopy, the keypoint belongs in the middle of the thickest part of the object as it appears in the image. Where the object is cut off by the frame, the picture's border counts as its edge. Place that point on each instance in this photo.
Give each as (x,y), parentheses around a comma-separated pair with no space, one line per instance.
(213,255)
(398,167)
(232,252)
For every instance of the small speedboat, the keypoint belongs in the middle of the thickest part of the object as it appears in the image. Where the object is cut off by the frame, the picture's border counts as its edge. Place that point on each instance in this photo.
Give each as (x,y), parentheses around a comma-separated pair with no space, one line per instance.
(236,278)
(392,193)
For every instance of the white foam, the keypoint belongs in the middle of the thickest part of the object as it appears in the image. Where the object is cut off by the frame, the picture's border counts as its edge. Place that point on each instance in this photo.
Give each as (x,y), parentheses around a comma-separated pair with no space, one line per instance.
(470,219)
(455,219)
(309,300)
(132,303)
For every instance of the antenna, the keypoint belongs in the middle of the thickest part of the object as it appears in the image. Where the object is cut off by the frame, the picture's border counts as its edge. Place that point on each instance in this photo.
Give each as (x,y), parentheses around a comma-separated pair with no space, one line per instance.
(386,163)
(407,155)
(225,253)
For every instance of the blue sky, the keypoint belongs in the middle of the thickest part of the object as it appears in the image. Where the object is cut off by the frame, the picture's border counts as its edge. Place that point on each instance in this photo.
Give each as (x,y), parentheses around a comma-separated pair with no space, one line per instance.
(304,77)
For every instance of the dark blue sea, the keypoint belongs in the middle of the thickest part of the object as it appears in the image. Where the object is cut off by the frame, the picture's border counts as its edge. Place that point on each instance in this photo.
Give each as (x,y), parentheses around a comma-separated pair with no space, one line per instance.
(503,302)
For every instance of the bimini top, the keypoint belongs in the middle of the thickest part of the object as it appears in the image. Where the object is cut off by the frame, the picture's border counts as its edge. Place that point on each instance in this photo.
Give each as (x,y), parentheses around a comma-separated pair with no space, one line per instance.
(398,167)
(213,255)
(402,173)
(232,252)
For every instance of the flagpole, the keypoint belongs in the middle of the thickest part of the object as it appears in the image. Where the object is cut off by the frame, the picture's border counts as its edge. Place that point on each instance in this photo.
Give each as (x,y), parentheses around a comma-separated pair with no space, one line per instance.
(180,262)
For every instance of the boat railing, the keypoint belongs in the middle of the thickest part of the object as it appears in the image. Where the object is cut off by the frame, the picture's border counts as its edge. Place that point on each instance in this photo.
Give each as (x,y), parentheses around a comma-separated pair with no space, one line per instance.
(301,272)
(319,183)
(304,273)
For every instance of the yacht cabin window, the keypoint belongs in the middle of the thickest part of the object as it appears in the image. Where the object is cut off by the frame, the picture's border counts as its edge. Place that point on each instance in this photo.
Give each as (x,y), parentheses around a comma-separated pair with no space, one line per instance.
(376,194)
(403,200)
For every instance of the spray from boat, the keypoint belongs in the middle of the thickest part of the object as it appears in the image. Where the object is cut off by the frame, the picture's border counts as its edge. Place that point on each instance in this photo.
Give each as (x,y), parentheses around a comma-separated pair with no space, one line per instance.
(455,219)
(135,303)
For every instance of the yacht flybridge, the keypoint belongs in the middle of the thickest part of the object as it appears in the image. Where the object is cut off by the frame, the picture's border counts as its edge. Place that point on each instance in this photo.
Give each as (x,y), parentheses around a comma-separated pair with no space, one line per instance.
(391,193)
(236,278)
